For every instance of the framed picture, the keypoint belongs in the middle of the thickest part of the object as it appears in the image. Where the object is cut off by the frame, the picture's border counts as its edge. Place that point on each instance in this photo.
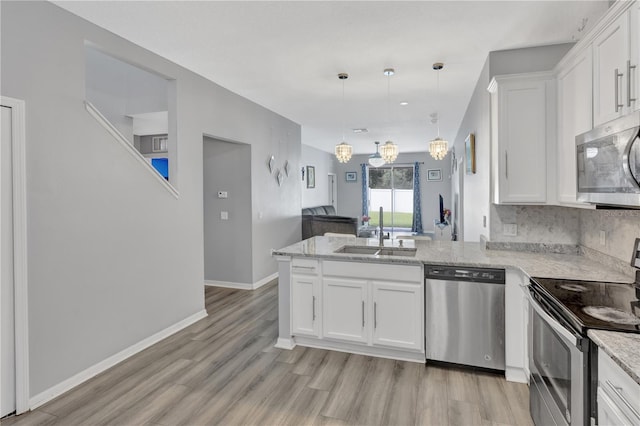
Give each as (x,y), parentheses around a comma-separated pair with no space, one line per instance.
(470,153)
(434,175)
(635,259)
(351,176)
(311,177)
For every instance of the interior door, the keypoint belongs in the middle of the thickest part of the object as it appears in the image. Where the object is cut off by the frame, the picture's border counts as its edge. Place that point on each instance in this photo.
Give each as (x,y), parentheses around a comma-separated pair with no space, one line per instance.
(333,191)
(7,328)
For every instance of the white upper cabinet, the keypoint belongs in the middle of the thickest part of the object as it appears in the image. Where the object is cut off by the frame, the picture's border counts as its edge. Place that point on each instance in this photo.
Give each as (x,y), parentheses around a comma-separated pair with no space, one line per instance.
(522,130)
(614,72)
(574,117)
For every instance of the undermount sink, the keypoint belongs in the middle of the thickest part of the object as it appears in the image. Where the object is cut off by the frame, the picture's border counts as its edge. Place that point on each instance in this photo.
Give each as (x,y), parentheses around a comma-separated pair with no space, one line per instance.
(377,251)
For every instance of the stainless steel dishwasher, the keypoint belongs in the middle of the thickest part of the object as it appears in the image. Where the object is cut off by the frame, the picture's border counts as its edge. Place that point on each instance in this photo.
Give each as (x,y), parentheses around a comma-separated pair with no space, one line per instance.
(464,315)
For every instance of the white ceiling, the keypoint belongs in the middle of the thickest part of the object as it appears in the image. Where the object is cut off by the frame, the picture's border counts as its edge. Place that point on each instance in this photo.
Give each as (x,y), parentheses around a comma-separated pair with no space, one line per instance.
(286,55)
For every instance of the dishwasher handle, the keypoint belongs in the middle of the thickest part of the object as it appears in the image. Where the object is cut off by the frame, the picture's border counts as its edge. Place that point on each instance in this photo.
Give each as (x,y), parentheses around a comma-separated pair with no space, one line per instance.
(454,273)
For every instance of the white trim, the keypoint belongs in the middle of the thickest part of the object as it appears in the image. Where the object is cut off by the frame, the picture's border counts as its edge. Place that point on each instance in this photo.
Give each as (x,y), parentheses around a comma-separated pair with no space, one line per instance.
(514,374)
(71,382)
(93,111)
(21,303)
(285,343)
(242,286)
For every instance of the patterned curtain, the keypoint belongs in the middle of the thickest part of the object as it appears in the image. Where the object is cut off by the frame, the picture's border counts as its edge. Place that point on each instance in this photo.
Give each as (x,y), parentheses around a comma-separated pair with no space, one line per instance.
(417,207)
(365,203)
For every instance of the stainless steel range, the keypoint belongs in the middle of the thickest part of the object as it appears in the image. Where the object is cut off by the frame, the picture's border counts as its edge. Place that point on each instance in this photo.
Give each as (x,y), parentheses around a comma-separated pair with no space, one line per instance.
(563,361)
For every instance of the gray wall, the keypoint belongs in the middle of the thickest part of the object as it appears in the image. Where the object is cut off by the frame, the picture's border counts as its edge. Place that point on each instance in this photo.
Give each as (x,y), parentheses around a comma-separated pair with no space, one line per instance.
(227,167)
(324,164)
(113,257)
(350,193)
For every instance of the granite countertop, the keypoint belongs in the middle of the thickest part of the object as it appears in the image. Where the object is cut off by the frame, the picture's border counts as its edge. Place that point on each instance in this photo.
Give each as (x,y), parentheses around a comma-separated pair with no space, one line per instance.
(548,265)
(623,348)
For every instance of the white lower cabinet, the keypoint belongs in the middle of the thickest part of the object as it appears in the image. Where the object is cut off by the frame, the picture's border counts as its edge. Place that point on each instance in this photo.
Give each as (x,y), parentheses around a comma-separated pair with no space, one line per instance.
(374,309)
(305,299)
(618,394)
(344,309)
(397,315)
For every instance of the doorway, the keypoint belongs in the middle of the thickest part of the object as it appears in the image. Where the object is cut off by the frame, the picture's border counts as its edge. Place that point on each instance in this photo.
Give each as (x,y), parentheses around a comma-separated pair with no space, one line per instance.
(7,364)
(14,391)
(333,191)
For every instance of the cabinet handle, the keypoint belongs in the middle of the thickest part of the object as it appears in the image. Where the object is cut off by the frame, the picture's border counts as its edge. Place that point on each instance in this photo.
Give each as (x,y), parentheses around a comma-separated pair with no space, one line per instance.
(363,314)
(307,268)
(617,76)
(375,315)
(313,309)
(506,164)
(618,392)
(629,98)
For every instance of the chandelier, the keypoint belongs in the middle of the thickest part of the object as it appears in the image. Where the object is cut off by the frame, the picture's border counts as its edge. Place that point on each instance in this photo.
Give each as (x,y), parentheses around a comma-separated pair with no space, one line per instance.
(343,150)
(438,147)
(389,152)
(376,159)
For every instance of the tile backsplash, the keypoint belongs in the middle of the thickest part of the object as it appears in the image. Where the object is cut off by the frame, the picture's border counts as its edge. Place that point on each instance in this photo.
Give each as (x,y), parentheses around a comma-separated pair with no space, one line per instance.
(621,228)
(565,226)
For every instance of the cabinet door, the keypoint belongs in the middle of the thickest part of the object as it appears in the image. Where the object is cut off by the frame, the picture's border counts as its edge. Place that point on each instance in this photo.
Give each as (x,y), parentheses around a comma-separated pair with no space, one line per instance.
(305,299)
(344,309)
(610,54)
(608,413)
(574,117)
(522,138)
(633,80)
(397,315)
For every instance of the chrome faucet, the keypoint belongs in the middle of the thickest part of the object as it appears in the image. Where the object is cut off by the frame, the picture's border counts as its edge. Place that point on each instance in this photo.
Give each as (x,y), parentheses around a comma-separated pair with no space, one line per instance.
(381,229)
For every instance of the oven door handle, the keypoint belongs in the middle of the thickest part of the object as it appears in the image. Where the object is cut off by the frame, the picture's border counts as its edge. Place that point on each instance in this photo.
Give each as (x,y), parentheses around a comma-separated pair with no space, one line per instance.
(553,323)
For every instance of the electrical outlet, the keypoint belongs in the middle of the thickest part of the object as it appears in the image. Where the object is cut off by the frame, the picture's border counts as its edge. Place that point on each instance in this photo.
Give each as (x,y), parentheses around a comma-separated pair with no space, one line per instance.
(603,238)
(510,229)
(222,194)
(224,215)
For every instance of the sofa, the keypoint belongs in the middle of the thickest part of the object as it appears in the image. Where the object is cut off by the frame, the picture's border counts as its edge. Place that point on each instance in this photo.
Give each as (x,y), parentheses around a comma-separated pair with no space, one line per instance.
(321,219)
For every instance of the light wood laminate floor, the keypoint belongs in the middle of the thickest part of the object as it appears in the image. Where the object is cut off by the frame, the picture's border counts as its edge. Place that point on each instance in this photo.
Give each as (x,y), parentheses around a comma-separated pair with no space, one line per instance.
(225,370)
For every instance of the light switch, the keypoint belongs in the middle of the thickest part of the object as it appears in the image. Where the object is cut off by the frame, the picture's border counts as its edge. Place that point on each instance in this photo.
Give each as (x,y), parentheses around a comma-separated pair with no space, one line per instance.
(222,194)
(224,215)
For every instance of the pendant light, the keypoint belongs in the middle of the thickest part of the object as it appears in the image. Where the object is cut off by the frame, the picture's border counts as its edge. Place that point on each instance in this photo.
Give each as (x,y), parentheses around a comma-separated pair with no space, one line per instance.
(389,149)
(438,147)
(343,150)
(376,159)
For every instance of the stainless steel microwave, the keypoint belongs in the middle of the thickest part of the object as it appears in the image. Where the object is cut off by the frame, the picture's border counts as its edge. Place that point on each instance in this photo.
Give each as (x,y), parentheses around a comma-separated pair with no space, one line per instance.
(608,163)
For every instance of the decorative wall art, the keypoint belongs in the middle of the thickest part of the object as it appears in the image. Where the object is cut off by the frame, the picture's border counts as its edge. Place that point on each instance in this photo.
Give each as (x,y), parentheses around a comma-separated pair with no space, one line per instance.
(434,175)
(351,176)
(311,177)
(287,168)
(271,163)
(279,178)
(470,153)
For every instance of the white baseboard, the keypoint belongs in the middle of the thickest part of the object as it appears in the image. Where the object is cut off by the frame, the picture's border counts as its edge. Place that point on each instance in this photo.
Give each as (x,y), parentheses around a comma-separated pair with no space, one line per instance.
(242,286)
(285,343)
(62,387)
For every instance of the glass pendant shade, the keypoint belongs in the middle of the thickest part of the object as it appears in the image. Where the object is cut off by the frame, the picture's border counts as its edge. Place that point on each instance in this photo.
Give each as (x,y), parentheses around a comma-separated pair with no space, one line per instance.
(376,160)
(389,152)
(438,148)
(343,152)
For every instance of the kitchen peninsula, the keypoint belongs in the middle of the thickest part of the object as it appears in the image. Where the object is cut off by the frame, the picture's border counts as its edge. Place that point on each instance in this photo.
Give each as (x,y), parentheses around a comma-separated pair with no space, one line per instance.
(373,304)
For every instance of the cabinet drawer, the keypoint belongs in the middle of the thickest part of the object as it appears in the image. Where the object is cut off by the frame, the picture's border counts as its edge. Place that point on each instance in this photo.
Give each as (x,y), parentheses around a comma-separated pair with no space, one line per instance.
(619,386)
(377,271)
(305,266)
